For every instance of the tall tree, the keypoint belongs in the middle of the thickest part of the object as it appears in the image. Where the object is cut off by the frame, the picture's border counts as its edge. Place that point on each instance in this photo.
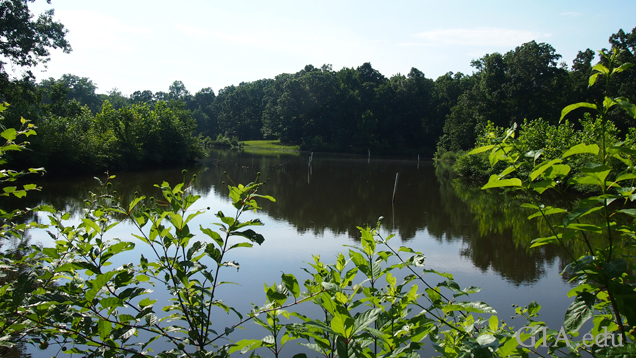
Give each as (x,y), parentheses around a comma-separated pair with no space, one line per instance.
(25,41)
(140,97)
(624,83)
(178,91)
(201,105)
(80,89)
(526,83)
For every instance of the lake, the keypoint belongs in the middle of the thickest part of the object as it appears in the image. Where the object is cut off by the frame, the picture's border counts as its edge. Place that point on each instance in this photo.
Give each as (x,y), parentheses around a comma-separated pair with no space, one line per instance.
(481,237)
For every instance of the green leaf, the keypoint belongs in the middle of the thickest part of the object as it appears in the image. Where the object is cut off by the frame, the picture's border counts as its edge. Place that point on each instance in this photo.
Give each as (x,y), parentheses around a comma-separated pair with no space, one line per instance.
(627,106)
(30,186)
(240,244)
(487,340)
(596,171)
(628,350)
(245,345)
(443,274)
(574,106)
(451,285)
(251,235)
(557,170)
(547,211)
(615,268)
(292,284)
(123,278)
(364,319)
(434,295)
(608,103)
(111,302)
(19,193)
(407,249)
(630,212)
(9,134)
(97,284)
(533,308)
(542,168)
(342,325)
(213,235)
(625,176)
(543,185)
(360,262)
(622,67)
(104,328)
(368,243)
(600,68)
(544,241)
(586,227)
(510,169)
(495,156)
(213,252)
(581,149)
(88,223)
(583,180)
(495,182)
(476,307)
(481,149)
(493,323)
(268,197)
(592,79)
(579,312)
(134,203)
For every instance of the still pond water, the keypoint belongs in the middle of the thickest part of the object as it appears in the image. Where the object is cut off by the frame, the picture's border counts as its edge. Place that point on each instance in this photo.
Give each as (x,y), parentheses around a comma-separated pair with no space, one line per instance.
(482,238)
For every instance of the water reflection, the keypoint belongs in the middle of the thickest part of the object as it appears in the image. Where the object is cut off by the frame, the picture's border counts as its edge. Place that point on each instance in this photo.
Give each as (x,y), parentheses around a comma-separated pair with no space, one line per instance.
(338,193)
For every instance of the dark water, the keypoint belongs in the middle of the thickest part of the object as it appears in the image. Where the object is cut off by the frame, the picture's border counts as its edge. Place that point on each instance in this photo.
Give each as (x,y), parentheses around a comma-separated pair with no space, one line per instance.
(480,237)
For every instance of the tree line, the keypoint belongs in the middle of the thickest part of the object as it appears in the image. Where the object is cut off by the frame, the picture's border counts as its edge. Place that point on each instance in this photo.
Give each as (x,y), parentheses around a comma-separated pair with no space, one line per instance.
(350,110)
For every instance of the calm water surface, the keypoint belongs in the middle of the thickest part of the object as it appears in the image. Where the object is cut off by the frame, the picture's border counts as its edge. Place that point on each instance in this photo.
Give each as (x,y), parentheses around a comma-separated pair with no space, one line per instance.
(480,237)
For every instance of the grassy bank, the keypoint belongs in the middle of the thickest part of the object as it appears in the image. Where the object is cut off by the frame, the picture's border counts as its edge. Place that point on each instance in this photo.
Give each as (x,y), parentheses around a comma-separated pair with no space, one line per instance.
(269,145)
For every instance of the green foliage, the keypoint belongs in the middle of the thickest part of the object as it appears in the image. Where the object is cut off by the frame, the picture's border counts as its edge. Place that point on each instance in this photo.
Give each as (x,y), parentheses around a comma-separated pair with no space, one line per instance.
(8,177)
(368,310)
(225,142)
(131,136)
(541,141)
(606,291)
(269,145)
(27,41)
(72,295)
(524,83)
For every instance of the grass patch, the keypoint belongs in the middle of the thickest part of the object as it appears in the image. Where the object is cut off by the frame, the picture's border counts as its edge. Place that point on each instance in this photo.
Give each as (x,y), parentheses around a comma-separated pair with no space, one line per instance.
(270,145)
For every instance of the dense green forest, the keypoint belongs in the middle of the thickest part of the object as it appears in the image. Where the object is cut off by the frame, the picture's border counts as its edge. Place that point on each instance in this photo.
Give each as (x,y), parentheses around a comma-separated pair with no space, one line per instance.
(349,110)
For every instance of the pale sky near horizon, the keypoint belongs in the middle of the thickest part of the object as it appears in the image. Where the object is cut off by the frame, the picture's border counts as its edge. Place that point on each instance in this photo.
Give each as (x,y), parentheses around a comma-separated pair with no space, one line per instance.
(146,45)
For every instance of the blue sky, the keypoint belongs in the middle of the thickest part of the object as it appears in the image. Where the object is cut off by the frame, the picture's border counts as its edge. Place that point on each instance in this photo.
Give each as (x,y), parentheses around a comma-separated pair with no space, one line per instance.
(142,44)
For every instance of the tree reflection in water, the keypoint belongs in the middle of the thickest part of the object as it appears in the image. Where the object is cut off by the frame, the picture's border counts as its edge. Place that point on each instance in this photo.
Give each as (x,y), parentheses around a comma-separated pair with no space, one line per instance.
(348,191)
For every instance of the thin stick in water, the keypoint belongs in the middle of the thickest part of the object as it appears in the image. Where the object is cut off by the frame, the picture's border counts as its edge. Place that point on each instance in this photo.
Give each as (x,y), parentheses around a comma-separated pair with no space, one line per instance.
(395,186)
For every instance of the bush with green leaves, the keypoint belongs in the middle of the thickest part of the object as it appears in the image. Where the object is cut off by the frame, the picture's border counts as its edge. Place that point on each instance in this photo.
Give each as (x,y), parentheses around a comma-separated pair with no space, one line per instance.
(603,222)
(539,136)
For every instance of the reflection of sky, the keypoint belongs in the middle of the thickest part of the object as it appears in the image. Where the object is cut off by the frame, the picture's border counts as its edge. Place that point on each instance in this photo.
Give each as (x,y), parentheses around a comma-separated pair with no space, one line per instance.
(286,250)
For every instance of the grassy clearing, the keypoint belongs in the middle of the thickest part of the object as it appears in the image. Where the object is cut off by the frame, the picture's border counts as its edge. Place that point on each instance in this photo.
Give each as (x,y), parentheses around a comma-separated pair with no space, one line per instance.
(269,145)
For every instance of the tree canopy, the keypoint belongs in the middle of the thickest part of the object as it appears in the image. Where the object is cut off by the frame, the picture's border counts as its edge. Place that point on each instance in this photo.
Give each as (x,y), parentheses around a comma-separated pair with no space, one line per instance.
(25,40)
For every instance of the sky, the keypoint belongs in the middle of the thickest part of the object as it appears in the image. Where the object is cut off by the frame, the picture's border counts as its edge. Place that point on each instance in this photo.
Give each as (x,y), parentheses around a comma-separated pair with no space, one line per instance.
(148,44)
